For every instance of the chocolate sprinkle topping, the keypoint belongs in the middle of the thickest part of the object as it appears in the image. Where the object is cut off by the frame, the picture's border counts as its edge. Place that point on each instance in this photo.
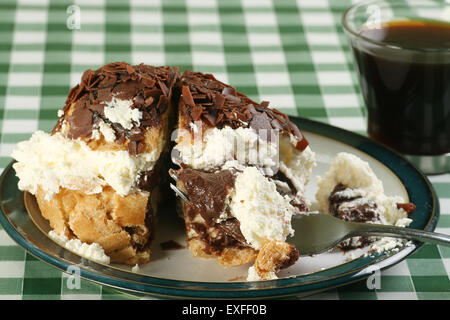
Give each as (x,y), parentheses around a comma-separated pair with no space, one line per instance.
(148,87)
(217,105)
(203,98)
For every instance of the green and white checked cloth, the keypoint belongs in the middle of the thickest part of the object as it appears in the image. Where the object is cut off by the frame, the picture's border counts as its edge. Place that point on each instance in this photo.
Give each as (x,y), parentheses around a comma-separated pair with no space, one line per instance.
(292,53)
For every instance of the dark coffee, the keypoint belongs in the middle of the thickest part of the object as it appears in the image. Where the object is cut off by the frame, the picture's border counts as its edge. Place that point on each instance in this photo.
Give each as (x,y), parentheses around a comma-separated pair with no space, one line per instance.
(407,92)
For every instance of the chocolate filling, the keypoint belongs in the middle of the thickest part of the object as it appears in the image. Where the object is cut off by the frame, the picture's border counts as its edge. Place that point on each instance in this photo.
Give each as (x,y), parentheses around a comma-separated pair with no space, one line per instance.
(141,238)
(232,227)
(216,244)
(349,205)
(207,193)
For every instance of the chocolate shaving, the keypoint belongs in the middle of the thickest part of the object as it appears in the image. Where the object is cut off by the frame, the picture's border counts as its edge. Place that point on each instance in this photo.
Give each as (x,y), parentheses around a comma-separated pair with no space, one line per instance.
(408,207)
(202,98)
(229,91)
(162,104)
(265,104)
(147,81)
(132,147)
(219,101)
(210,119)
(187,96)
(82,127)
(164,88)
(148,101)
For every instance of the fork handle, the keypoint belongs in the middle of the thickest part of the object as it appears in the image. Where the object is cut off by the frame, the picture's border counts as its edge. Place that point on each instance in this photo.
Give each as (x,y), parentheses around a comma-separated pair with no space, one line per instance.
(368,229)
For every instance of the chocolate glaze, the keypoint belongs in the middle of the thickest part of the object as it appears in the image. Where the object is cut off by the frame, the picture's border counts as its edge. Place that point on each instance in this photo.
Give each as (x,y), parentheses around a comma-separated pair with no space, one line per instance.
(217,105)
(202,98)
(207,191)
(148,87)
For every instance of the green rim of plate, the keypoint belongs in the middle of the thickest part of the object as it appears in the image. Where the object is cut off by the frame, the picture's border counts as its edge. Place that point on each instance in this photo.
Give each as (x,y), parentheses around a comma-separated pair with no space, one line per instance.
(16,222)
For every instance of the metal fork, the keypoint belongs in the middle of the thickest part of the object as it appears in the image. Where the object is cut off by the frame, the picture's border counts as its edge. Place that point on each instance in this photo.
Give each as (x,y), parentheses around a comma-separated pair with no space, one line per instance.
(319,232)
(174,176)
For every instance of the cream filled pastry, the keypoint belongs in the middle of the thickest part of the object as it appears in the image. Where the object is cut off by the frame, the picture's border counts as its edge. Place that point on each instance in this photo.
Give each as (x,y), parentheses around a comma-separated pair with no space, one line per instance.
(96,176)
(244,167)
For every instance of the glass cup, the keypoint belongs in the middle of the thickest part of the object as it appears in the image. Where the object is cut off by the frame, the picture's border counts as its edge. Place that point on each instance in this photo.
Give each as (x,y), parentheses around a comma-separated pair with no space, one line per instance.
(401,52)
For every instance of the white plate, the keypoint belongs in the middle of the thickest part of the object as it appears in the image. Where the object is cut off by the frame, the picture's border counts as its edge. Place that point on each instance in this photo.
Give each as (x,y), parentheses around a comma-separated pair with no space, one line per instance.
(175,273)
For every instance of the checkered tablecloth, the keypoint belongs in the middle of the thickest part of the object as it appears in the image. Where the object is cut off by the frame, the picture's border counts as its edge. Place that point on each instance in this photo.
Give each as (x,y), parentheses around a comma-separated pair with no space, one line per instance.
(292,53)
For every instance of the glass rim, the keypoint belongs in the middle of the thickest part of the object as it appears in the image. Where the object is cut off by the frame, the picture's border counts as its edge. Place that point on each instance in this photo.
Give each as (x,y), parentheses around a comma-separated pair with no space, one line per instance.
(353,32)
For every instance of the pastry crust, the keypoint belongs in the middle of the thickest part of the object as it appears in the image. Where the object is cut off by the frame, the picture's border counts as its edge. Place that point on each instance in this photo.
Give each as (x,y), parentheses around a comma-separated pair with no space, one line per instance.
(120,224)
(228,257)
(274,256)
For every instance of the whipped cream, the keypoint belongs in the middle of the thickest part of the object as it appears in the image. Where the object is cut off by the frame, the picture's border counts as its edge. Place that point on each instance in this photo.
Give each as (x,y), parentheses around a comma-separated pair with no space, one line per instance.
(120,111)
(107,132)
(296,165)
(263,213)
(92,251)
(52,161)
(254,276)
(218,147)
